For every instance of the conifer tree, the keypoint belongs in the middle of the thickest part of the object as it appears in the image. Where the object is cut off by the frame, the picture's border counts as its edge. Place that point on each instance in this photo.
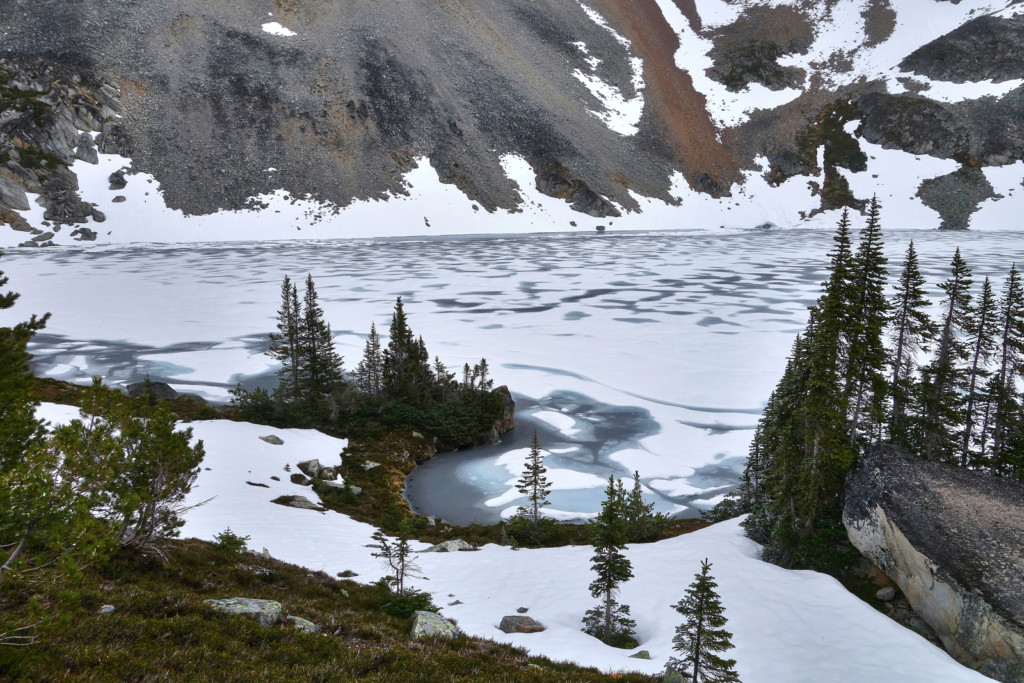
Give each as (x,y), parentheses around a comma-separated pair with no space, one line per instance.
(369,374)
(642,524)
(912,330)
(942,379)
(401,354)
(533,484)
(286,343)
(702,638)
(981,345)
(1003,416)
(28,501)
(865,390)
(609,621)
(320,368)
(18,425)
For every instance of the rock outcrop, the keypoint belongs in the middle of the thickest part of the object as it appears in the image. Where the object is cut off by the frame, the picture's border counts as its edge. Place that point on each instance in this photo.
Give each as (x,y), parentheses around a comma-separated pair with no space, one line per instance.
(269,612)
(953,541)
(985,48)
(431,625)
(507,421)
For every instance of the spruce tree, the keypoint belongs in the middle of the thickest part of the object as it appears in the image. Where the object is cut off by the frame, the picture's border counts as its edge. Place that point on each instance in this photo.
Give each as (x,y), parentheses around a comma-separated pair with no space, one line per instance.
(533,484)
(981,345)
(609,621)
(942,379)
(911,332)
(29,505)
(865,390)
(702,638)
(642,524)
(286,343)
(401,355)
(320,366)
(1003,419)
(369,374)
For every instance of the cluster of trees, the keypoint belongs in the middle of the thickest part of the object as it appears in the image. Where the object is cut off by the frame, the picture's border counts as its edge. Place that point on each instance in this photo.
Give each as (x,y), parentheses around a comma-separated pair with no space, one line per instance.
(393,385)
(116,478)
(870,369)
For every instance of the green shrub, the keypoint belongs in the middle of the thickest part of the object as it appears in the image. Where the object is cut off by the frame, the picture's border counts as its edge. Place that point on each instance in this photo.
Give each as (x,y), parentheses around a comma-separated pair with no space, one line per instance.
(230,541)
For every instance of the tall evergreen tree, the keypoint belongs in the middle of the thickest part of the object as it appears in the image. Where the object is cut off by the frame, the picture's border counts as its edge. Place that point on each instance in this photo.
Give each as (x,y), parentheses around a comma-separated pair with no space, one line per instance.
(911,332)
(981,346)
(369,374)
(403,356)
(1003,417)
(533,484)
(609,621)
(18,425)
(865,390)
(702,637)
(320,368)
(27,497)
(286,343)
(642,524)
(942,379)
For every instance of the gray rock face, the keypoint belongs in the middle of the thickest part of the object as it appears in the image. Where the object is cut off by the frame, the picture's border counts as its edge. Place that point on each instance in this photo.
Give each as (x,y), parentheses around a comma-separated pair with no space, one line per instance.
(429,624)
(12,195)
(956,196)
(158,389)
(269,612)
(953,541)
(982,49)
(515,623)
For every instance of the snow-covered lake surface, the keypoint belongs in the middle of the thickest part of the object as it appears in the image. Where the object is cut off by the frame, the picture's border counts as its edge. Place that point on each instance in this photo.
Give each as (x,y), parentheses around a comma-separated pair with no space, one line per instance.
(649,352)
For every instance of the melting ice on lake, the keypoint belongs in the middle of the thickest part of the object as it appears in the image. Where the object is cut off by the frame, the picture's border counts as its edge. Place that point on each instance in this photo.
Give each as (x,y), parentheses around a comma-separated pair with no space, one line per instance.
(648,352)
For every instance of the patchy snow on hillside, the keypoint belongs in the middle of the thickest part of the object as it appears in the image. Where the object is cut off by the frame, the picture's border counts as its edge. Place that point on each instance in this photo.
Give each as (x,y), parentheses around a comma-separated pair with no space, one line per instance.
(275,28)
(620,114)
(794,626)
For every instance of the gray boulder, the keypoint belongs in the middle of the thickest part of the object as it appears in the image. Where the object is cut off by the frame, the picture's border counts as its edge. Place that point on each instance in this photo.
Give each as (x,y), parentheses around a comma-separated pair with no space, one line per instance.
(157,389)
(106,609)
(268,611)
(272,439)
(429,624)
(886,594)
(449,546)
(328,473)
(643,654)
(300,502)
(951,541)
(304,625)
(515,623)
(300,479)
(311,468)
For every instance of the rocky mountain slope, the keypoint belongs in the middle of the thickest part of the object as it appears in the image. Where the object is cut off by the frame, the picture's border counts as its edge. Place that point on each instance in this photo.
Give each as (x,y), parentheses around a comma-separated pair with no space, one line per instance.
(604,105)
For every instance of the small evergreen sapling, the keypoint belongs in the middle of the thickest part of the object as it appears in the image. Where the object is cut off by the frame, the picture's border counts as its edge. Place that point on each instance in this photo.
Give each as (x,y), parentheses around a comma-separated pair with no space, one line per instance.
(609,621)
(702,637)
(533,484)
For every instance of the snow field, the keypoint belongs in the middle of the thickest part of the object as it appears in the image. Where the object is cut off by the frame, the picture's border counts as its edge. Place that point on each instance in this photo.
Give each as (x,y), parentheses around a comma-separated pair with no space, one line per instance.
(787,625)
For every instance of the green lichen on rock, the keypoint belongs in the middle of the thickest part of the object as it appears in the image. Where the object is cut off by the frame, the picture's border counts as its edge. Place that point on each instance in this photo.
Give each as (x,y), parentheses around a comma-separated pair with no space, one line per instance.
(430,625)
(269,612)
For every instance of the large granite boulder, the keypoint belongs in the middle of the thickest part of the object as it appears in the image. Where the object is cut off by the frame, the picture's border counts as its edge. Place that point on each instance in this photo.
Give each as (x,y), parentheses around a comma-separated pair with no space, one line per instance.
(516,623)
(269,612)
(953,541)
(429,624)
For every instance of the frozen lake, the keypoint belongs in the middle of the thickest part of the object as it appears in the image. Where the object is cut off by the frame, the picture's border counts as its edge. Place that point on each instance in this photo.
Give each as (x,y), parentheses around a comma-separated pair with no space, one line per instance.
(649,352)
